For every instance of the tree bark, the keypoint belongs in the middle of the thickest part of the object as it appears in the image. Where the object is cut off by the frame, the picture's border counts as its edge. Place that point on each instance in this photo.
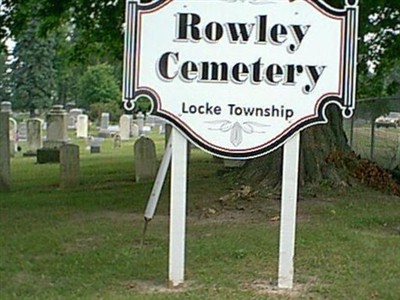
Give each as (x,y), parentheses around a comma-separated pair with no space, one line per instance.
(317,143)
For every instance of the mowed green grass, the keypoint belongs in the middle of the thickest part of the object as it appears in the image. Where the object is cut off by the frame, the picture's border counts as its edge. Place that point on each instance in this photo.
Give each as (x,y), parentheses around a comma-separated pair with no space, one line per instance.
(85,243)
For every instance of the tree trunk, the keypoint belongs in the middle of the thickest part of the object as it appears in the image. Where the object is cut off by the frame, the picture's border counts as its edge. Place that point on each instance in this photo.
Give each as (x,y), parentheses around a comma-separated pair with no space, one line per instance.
(317,143)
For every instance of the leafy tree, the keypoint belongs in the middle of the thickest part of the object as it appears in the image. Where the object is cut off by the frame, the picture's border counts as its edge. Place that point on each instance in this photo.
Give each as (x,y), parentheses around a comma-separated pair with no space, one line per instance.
(96,26)
(379,32)
(3,76)
(32,71)
(101,24)
(98,85)
(113,108)
(142,105)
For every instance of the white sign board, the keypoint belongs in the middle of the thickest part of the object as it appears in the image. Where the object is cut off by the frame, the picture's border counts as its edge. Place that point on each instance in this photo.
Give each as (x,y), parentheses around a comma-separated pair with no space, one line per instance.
(240,77)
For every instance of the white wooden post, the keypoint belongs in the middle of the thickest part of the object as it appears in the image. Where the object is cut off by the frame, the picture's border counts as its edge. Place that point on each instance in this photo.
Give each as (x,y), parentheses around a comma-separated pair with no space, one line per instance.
(158,183)
(177,209)
(288,211)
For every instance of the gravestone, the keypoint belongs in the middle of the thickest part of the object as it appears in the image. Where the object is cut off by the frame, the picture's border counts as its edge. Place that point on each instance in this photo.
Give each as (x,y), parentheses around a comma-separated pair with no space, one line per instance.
(105,121)
(113,129)
(140,122)
(48,155)
(13,128)
(6,107)
(56,127)
(73,117)
(135,130)
(95,145)
(146,129)
(69,166)
(151,121)
(104,124)
(82,126)
(145,159)
(117,142)
(5,169)
(125,127)
(23,132)
(57,134)
(34,136)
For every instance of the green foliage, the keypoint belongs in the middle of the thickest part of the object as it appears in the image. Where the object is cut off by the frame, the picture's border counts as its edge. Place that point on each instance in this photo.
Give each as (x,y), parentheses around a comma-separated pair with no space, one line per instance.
(143,105)
(2,61)
(96,109)
(380,22)
(32,78)
(378,48)
(102,32)
(95,25)
(68,72)
(98,85)
(3,76)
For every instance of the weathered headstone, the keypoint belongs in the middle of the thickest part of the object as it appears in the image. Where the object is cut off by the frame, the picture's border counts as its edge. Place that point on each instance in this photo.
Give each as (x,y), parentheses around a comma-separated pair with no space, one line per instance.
(95,145)
(13,128)
(5,169)
(69,166)
(56,127)
(105,121)
(22,132)
(140,122)
(117,142)
(145,159)
(82,126)
(125,127)
(6,106)
(34,136)
(73,117)
(146,129)
(104,124)
(48,155)
(113,129)
(57,134)
(151,121)
(135,130)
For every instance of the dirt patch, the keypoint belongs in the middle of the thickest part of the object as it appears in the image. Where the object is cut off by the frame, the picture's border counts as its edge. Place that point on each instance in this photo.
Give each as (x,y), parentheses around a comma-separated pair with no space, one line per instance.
(149,287)
(265,287)
(259,286)
(245,205)
(241,205)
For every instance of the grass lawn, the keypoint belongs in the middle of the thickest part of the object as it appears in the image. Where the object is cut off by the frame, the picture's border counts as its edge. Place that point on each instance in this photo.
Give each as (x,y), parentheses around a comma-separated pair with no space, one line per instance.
(85,243)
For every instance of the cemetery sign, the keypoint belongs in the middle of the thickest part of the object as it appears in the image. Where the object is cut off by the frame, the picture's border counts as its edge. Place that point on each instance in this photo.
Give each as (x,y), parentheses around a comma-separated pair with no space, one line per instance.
(240,77)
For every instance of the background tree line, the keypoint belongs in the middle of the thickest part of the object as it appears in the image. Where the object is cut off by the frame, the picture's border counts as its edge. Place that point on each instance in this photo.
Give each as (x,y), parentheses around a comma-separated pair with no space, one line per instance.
(55,66)
(72,50)
(57,41)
